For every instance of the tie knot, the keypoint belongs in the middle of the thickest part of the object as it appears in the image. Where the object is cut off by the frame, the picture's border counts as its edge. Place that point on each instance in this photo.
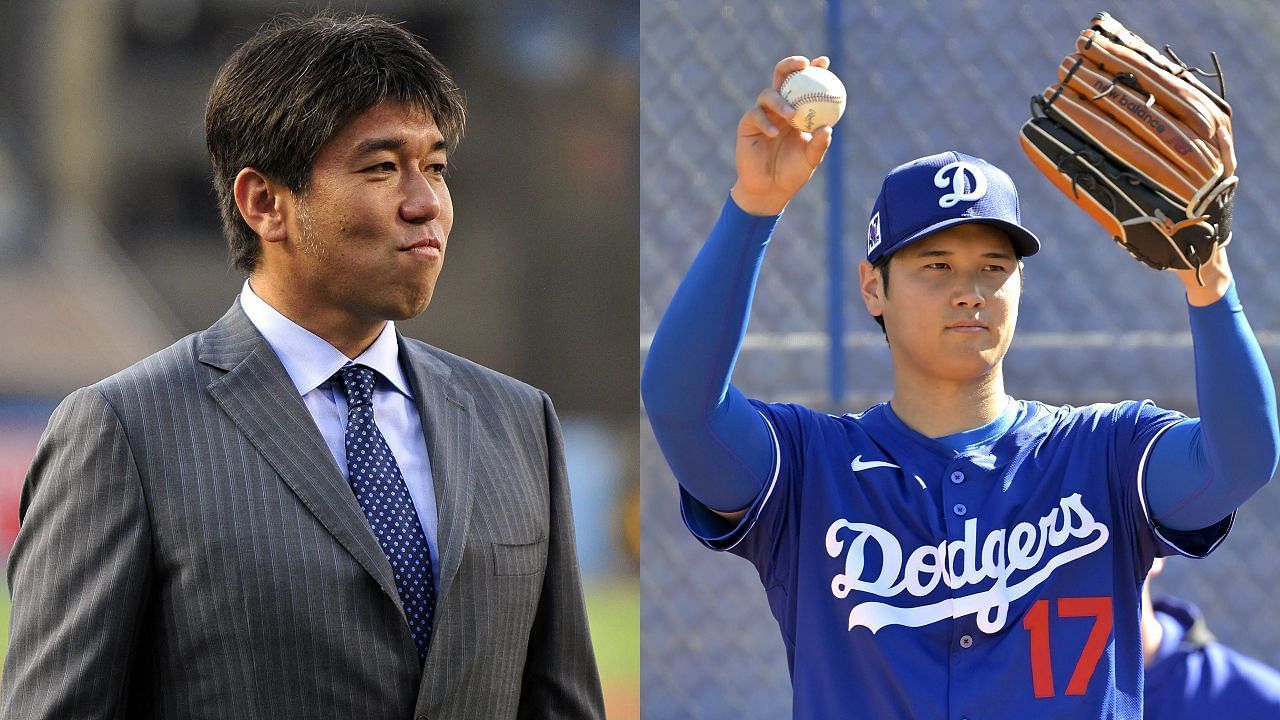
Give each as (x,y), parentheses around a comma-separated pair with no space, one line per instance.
(357,380)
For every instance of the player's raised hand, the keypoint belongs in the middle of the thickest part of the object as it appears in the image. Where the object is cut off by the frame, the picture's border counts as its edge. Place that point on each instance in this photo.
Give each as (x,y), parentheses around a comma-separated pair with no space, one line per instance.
(774,160)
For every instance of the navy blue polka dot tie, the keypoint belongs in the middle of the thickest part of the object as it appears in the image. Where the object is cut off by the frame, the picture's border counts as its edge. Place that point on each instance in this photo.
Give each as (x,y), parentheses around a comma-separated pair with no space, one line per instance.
(379,487)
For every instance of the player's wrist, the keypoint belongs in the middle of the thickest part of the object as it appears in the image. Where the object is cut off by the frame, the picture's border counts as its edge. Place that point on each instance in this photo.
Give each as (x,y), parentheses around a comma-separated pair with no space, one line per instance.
(756,203)
(1212,283)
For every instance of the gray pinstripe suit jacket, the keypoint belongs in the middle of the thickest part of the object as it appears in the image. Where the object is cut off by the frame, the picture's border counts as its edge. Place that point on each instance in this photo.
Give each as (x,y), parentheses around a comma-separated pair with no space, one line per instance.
(189,549)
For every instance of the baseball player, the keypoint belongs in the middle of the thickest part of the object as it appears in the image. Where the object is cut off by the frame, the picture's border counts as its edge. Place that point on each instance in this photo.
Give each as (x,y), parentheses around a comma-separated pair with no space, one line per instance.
(954,552)
(1190,675)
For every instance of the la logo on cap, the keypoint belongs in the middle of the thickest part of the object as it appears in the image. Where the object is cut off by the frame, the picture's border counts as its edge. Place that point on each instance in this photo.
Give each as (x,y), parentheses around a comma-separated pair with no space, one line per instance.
(873,233)
(961,186)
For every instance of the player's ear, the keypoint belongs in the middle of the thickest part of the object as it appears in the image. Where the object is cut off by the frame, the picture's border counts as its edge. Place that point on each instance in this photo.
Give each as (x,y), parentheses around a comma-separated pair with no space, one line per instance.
(872,287)
(264,204)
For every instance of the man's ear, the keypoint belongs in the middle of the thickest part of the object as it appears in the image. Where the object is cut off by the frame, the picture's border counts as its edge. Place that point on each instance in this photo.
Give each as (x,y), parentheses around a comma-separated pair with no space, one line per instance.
(872,287)
(265,204)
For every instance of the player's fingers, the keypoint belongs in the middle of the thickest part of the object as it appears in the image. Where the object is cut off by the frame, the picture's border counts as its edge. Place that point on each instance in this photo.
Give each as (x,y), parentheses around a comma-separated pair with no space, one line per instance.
(817,147)
(772,102)
(786,66)
(757,121)
(821,61)
(1223,139)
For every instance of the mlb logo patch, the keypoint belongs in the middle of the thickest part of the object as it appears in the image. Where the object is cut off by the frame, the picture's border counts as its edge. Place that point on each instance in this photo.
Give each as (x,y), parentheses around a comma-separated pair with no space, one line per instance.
(873,233)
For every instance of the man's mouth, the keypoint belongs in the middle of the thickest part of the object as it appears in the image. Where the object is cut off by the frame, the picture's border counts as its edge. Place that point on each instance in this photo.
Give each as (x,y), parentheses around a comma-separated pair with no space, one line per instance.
(968,326)
(427,247)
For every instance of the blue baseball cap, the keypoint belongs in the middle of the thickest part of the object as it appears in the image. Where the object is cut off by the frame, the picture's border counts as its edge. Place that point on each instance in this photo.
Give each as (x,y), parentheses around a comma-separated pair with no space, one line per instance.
(938,191)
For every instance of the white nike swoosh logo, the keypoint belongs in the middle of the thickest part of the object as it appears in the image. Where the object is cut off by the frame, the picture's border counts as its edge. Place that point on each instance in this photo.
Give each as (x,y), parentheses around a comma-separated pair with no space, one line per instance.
(859,466)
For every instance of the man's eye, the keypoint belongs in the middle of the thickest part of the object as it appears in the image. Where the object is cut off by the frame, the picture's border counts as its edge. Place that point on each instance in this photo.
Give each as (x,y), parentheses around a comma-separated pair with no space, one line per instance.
(438,168)
(998,268)
(937,266)
(387,166)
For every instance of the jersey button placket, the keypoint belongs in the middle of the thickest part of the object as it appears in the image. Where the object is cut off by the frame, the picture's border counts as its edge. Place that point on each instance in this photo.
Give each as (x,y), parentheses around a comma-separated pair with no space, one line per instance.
(959,506)
(965,661)
(955,491)
(955,532)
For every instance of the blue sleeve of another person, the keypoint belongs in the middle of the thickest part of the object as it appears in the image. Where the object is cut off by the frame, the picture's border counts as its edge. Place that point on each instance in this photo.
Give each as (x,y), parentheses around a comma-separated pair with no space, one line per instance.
(1202,678)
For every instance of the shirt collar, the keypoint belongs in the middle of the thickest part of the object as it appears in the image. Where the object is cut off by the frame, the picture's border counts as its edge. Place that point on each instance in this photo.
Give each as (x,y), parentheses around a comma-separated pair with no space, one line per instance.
(308,358)
(968,439)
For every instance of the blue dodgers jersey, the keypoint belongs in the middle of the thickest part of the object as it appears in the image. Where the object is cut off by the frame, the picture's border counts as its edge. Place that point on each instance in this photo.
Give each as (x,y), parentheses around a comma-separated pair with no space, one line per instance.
(910,580)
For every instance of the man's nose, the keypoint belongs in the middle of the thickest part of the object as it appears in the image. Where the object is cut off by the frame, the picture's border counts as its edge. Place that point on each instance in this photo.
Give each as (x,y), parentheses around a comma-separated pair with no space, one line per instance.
(969,294)
(421,201)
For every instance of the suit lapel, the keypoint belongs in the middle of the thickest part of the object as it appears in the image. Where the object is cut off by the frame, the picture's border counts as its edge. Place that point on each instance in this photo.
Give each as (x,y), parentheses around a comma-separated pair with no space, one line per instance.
(258,396)
(445,409)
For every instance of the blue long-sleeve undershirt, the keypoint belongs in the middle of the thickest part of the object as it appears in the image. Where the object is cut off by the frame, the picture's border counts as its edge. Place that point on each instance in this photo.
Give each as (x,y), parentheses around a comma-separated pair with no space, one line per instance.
(1202,470)
(721,452)
(717,445)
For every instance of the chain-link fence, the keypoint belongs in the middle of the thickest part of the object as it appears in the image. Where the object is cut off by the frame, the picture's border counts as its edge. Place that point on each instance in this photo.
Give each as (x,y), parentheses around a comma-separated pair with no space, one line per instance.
(924,76)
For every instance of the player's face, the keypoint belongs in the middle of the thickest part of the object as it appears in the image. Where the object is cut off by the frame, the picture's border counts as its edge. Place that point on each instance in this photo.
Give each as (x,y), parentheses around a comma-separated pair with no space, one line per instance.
(952,302)
(373,225)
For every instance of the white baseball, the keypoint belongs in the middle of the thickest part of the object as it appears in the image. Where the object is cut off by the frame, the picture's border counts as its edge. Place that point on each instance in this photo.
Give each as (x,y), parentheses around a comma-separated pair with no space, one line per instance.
(816,94)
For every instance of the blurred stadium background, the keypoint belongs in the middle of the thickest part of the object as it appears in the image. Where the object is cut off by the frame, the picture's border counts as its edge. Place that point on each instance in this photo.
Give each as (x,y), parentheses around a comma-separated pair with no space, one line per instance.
(110,247)
(923,76)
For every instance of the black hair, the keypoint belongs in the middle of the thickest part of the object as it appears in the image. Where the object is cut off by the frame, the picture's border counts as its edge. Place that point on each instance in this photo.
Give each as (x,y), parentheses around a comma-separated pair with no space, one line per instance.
(295,84)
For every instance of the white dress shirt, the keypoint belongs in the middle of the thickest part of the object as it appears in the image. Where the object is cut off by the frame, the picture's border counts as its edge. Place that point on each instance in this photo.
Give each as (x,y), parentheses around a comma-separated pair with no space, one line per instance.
(311,361)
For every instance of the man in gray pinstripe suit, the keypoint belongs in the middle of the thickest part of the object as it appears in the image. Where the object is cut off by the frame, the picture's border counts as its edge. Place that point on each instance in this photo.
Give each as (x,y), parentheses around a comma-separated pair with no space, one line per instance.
(191,545)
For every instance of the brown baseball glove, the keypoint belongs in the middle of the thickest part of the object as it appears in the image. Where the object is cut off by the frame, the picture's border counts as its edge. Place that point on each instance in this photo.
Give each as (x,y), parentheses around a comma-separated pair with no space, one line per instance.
(1139,142)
